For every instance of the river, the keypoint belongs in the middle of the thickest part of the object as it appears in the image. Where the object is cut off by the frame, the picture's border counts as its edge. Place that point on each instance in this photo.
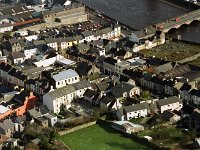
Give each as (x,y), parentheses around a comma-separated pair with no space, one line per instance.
(142,13)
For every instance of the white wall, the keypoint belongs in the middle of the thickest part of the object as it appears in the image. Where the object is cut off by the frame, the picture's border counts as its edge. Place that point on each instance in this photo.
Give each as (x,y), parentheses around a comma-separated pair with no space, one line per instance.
(4,29)
(136,114)
(174,106)
(30,52)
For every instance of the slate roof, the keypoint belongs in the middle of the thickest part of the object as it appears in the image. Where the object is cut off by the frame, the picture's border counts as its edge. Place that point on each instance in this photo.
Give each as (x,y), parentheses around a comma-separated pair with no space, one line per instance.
(20,12)
(168,101)
(83,46)
(185,87)
(188,109)
(16,55)
(107,99)
(57,93)
(34,113)
(42,109)
(167,115)
(89,93)
(130,44)
(6,124)
(5,67)
(82,85)
(103,86)
(178,71)
(83,68)
(21,119)
(110,60)
(195,92)
(136,107)
(65,75)
(87,33)
(12,71)
(164,68)
(119,89)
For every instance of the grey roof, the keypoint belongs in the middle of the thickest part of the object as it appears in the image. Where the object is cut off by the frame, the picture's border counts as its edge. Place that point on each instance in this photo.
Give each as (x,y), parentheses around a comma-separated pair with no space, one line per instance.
(169,100)
(119,89)
(87,33)
(89,93)
(136,107)
(21,12)
(164,68)
(103,86)
(6,124)
(82,85)
(49,116)
(39,42)
(178,71)
(42,119)
(15,55)
(57,93)
(105,30)
(107,99)
(34,113)
(50,40)
(61,8)
(83,46)
(65,75)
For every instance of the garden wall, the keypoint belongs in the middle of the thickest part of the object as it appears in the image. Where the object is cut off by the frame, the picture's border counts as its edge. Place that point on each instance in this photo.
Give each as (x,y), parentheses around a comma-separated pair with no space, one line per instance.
(77,128)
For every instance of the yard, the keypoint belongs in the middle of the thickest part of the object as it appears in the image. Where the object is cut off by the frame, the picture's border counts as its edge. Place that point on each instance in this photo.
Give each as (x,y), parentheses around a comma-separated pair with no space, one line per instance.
(168,136)
(174,51)
(100,137)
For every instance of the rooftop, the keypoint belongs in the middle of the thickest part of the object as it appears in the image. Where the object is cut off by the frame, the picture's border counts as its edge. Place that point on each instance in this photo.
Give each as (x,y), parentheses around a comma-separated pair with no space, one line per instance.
(57,93)
(65,75)
(169,100)
(136,107)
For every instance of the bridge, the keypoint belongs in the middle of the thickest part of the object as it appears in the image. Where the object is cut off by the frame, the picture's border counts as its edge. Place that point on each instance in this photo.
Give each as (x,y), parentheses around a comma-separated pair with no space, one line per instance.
(177,22)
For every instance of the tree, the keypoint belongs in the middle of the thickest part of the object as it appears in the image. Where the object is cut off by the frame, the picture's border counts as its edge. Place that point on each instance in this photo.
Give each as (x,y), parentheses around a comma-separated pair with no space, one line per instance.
(53,135)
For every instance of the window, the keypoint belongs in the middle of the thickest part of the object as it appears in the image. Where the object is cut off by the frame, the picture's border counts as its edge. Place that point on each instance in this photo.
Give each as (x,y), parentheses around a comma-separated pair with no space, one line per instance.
(75,78)
(58,83)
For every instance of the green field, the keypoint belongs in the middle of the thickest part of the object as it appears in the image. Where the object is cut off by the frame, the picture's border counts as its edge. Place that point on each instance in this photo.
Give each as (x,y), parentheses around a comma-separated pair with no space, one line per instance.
(100,137)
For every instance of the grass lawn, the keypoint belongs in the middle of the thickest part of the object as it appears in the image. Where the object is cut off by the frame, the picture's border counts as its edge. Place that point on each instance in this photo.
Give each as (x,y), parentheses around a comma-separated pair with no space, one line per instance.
(100,137)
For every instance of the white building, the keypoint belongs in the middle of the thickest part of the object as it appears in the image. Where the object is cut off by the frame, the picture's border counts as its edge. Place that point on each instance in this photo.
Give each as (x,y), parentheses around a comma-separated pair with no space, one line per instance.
(81,87)
(62,97)
(17,57)
(6,27)
(65,77)
(170,104)
(51,42)
(133,111)
(30,52)
(58,98)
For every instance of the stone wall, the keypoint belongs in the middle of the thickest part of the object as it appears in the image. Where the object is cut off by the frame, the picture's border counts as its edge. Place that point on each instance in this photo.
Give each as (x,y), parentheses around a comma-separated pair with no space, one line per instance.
(191,58)
(77,128)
